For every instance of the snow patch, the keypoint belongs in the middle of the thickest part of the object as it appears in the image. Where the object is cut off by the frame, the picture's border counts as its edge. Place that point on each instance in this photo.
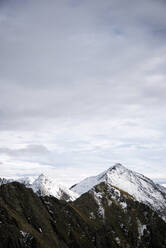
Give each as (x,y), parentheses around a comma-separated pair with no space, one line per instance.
(24,234)
(117,239)
(123,205)
(92,216)
(141,229)
(98,199)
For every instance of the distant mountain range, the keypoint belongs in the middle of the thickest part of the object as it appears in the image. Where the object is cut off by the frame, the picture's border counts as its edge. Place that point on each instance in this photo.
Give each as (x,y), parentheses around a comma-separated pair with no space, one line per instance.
(117,208)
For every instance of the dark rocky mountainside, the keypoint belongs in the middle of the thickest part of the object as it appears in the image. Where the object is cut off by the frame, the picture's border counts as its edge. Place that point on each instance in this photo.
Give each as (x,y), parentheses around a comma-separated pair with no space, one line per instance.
(103,217)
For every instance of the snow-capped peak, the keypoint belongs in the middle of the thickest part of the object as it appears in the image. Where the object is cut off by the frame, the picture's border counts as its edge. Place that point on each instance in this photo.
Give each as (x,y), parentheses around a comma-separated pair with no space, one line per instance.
(42,177)
(117,166)
(140,187)
(85,185)
(44,185)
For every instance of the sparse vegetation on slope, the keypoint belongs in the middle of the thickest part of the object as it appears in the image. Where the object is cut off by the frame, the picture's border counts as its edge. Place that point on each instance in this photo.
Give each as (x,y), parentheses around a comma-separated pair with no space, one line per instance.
(102,217)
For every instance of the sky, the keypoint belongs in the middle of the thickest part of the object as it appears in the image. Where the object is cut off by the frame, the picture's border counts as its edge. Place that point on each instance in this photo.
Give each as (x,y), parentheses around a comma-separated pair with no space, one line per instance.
(82,87)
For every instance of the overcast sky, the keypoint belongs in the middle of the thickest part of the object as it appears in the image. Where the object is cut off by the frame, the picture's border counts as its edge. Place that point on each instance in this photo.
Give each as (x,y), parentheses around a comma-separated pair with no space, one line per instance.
(82,86)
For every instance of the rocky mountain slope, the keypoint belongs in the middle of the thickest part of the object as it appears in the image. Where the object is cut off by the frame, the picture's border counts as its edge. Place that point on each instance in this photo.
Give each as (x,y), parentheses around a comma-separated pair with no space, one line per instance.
(140,187)
(103,217)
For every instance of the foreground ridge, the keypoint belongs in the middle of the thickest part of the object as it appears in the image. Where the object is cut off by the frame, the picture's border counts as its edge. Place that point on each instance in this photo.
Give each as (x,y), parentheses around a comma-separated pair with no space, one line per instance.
(103,217)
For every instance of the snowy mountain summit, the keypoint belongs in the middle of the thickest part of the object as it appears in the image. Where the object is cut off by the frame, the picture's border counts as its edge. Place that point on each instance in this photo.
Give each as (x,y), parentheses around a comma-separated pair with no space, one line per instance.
(44,185)
(140,187)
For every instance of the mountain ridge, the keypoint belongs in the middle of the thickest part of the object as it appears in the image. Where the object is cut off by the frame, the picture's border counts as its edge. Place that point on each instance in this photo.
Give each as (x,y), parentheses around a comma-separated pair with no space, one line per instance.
(44,185)
(103,217)
(140,187)
(137,185)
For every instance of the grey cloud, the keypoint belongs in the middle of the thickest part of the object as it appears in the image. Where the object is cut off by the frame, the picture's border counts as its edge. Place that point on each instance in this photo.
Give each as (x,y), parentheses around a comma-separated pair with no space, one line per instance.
(31,153)
(28,151)
(66,64)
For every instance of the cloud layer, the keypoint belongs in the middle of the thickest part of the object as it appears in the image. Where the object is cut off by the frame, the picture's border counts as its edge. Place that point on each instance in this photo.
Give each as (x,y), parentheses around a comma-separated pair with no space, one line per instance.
(82,84)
